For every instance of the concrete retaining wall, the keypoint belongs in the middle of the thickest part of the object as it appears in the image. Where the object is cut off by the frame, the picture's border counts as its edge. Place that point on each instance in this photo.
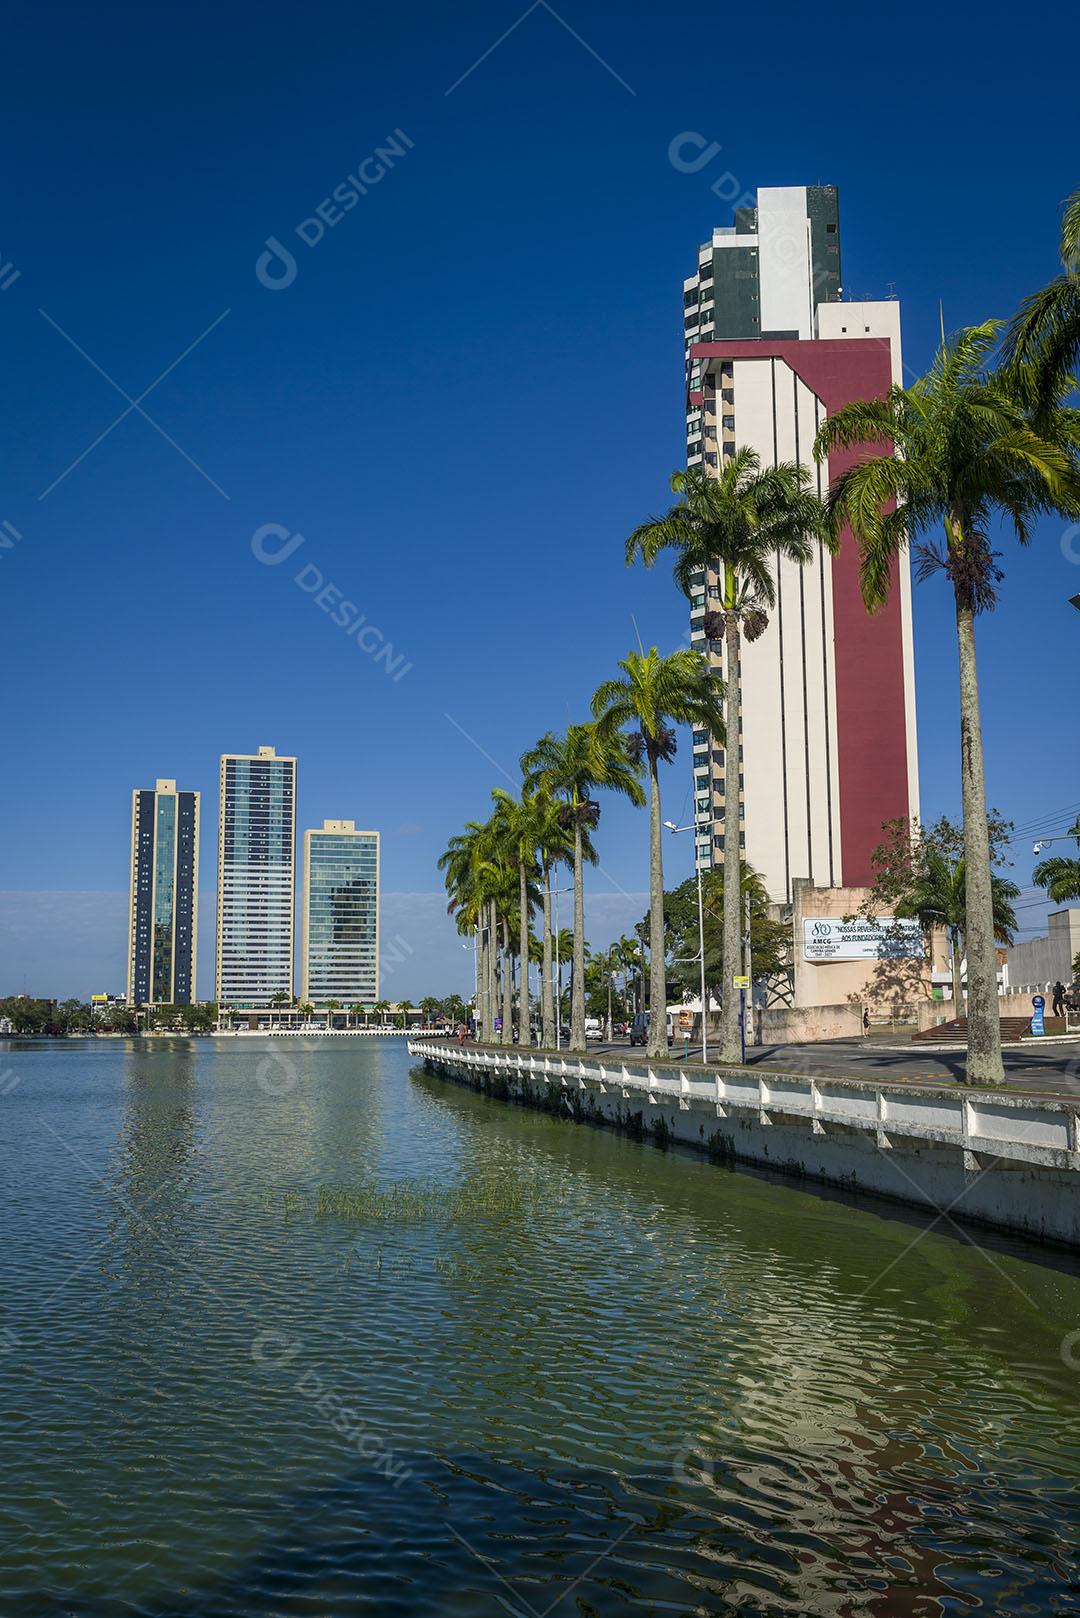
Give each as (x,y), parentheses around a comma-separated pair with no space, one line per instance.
(1000,1159)
(793,1025)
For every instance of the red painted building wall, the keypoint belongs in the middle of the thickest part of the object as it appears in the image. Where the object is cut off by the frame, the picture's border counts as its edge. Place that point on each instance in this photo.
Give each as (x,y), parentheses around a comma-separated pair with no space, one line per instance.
(871,714)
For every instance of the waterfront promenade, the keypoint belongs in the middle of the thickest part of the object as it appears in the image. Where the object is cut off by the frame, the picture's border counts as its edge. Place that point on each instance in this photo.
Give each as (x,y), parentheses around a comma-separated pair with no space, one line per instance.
(1050,1068)
(1007,1158)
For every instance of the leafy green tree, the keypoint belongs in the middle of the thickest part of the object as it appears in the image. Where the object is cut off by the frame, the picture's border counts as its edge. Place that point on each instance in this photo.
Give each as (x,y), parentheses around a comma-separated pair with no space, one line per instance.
(1060,875)
(305,1008)
(770,941)
(920,874)
(962,444)
(654,692)
(735,527)
(573,767)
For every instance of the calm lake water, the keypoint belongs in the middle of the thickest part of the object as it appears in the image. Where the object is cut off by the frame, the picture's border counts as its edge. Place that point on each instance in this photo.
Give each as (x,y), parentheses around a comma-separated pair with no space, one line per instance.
(296,1329)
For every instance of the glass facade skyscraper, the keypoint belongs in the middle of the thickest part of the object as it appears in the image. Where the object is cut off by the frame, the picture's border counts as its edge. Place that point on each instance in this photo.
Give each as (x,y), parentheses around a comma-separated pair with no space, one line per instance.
(163,912)
(341,915)
(256,878)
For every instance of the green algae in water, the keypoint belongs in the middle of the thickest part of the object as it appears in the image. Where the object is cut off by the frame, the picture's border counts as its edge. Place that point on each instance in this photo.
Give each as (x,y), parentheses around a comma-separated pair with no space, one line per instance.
(416,1202)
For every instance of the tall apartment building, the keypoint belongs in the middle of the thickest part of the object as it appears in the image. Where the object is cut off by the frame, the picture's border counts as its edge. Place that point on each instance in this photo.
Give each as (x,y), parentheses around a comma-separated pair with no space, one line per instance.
(256,878)
(341,915)
(164,905)
(827,750)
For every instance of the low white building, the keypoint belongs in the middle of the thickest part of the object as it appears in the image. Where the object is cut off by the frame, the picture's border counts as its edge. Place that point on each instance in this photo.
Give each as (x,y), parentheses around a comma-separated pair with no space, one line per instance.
(1039,963)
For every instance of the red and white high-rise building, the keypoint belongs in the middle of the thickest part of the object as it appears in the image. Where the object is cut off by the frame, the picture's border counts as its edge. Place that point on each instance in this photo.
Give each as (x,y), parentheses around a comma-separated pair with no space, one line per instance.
(828,751)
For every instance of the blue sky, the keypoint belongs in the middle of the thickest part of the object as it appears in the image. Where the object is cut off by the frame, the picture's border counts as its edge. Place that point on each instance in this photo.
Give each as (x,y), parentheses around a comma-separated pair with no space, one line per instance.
(467,395)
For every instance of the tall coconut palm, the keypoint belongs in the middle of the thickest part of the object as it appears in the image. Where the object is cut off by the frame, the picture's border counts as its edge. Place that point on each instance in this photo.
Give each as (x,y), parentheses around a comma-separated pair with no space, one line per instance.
(1044,338)
(459,864)
(573,767)
(523,822)
(957,447)
(654,692)
(738,526)
(555,847)
(1059,875)
(563,943)
(477,877)
(939,899)
(632,952)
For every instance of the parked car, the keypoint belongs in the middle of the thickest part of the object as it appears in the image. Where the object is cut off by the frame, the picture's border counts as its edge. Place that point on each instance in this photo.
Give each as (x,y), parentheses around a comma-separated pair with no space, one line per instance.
(639,1028)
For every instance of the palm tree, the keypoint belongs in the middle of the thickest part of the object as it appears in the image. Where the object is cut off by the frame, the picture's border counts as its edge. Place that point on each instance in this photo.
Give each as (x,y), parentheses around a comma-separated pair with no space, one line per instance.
(738,525)
(656,690)
(1044,338)
(1059,875)
(563,945)
(632,954)
(939,899)
(573,767)
(555,847)
(609,962)
(405,1006)
(960,444)
(475,880)
(381,1008)
(521,823)
(356,1011)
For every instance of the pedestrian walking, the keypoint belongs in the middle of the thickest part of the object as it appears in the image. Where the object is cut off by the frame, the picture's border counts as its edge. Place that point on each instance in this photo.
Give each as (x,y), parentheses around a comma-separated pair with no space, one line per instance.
(1059,1000)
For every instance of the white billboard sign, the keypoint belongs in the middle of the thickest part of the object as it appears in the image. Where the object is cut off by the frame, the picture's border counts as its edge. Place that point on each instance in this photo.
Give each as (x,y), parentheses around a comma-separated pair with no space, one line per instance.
(828,938)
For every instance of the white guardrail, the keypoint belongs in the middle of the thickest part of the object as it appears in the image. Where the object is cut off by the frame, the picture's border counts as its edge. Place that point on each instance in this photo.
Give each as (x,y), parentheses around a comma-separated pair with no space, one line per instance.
(1039,1130)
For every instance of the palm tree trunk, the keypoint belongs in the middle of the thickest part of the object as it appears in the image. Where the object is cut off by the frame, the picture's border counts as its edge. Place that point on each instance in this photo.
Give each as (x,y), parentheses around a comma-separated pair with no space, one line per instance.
(481,975)
(547,998)
(984,1065)
(657,1042)
(731,952)
(524,1032)
(507,987)
(957,981)
(492,967)
(577,983)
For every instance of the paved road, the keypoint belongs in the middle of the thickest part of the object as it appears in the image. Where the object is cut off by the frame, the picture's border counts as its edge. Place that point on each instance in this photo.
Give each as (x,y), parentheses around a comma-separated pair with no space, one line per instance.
(1053,1068)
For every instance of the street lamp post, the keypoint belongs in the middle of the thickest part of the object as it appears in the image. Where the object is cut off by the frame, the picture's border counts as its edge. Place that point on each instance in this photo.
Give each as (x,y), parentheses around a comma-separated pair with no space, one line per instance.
(671,826)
